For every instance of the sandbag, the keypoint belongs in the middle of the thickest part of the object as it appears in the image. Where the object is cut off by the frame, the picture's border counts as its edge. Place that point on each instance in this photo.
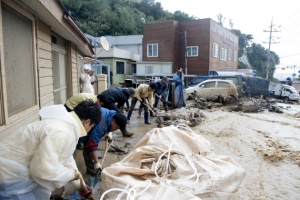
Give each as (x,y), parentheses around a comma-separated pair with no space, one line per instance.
(180,161)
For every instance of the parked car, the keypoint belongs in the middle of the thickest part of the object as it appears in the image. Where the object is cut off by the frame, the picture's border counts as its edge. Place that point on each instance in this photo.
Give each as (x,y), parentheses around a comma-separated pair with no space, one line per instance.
(197,80)
(216,90)
(236,79)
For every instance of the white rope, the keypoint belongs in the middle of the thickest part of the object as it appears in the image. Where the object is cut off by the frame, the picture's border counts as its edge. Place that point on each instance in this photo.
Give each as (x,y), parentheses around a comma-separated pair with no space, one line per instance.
(184,127)
(131,193)
(165,175)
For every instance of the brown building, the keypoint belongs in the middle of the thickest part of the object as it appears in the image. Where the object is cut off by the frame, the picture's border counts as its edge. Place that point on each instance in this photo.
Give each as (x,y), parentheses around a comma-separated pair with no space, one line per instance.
(209,46)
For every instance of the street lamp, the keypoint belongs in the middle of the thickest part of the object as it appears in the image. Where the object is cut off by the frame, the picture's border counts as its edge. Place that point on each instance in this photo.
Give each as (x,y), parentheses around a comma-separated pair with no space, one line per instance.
(185,44)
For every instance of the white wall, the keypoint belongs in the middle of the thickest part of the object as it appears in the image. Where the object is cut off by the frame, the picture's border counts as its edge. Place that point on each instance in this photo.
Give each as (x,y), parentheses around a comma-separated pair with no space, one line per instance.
(153,68)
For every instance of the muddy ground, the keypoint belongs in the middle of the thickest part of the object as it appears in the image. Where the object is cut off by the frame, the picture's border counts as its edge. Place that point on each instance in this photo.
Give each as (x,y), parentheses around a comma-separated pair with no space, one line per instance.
(265,144)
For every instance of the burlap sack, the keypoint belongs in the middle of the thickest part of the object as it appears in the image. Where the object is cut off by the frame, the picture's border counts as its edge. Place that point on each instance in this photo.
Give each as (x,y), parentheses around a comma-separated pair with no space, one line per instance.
(179,161)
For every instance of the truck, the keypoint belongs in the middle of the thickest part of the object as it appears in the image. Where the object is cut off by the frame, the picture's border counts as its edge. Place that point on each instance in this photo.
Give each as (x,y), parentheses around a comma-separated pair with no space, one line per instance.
(283,91)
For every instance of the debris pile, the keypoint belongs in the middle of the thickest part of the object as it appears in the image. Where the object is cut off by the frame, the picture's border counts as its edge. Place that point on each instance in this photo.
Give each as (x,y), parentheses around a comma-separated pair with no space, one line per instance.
(243,104)
(189,116)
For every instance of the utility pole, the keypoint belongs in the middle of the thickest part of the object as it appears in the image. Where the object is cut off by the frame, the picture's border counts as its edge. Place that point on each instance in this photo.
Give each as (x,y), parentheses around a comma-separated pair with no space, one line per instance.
(185,55)
(270,38)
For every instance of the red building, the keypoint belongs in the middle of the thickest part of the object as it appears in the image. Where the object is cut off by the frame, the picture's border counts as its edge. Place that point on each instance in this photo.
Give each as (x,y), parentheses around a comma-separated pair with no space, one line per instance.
(209,46)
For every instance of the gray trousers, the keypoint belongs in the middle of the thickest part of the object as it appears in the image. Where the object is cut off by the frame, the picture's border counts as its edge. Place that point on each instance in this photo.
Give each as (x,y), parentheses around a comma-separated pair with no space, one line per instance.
(133,103)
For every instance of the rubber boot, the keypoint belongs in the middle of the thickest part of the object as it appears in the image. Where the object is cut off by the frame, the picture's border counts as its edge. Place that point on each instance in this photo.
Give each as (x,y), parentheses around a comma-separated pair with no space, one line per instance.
(128,116)
(146,117)
(126,133)
(166,108)
(140,113)
(151,114)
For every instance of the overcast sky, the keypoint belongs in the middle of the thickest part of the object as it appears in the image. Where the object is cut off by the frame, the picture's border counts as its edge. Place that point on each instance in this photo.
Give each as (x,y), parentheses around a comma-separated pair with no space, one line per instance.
(252,17)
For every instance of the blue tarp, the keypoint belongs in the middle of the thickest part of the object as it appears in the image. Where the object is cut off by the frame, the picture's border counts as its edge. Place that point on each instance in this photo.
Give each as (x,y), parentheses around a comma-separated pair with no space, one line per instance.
(179,93)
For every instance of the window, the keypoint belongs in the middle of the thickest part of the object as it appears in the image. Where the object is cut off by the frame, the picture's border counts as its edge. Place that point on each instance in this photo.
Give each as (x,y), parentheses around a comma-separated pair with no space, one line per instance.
(210,84)
(223,84)
(120,67)
(223,54)
(218,31)
(229,54)
(192,51)
(152,50)
(215,50)
(234,56)
(19,63)
(148,69)
(133,68)
(224,34)
(59,71)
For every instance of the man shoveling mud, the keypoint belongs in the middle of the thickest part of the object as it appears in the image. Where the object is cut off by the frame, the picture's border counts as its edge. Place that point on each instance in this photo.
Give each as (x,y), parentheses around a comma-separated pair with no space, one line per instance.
(120,96)
(39,157)
(110,121)
(142,92)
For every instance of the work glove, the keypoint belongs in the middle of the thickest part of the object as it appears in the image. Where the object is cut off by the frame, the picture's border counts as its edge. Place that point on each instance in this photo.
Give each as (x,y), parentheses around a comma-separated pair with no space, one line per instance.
(145,101)
(97,166)
(109,137)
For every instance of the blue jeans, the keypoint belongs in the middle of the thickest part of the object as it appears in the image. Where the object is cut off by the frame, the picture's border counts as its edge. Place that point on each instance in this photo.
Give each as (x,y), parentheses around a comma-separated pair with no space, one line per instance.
(157,99)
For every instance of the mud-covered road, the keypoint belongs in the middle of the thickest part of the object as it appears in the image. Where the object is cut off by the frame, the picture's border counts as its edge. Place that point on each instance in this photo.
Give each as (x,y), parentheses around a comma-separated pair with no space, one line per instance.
(265,144)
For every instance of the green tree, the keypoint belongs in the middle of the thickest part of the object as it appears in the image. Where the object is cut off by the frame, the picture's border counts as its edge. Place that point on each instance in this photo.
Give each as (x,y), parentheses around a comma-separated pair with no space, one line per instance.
(244,40)
(221,19)
(258,58)
(118,17)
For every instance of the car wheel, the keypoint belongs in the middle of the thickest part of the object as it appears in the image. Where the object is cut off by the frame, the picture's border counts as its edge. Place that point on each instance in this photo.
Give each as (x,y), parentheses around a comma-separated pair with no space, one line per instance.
(286,98)
(232,100)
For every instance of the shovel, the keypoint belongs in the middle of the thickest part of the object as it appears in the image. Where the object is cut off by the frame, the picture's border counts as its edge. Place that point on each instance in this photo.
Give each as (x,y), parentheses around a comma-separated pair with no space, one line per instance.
(168,102)
(159,120)
(95,181)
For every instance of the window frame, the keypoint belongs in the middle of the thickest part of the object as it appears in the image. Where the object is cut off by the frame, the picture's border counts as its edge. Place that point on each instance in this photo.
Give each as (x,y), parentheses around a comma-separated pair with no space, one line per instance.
(152,44)
(117,67)
(217,50)
(234,56)
(223,54)
(8,120)
(191,47)
(229,54)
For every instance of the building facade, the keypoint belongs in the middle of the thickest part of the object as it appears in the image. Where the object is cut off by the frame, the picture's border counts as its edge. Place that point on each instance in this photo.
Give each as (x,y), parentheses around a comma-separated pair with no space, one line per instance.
(208,45)
(42,52)
(122,62)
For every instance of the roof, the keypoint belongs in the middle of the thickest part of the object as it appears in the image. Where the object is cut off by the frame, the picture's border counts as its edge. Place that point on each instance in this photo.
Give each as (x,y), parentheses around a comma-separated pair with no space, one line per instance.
(246,71)
(55,15)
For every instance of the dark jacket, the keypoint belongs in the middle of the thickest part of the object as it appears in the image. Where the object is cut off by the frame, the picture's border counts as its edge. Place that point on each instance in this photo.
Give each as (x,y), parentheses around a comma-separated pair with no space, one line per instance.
(94,136)
(117,95)
(160,88)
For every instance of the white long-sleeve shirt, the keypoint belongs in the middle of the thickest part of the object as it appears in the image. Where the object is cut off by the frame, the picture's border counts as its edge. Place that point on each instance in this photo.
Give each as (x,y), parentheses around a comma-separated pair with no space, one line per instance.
(40,154)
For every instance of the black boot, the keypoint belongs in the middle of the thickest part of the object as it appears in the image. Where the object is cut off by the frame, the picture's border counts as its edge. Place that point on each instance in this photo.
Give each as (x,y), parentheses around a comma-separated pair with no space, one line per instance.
(128,116)
(146,117)
(126,133)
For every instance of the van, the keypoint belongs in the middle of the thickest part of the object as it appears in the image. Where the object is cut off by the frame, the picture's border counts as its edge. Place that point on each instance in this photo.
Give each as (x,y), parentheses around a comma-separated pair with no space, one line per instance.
(237,80)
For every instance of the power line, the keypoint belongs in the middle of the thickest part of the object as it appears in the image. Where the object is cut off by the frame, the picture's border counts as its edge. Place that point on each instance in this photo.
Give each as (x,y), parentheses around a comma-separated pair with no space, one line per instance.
(290,16)
(290,55)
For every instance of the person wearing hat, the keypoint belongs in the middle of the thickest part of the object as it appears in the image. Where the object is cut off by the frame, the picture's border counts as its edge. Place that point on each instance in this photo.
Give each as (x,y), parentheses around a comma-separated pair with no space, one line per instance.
(86,79)
(161,89)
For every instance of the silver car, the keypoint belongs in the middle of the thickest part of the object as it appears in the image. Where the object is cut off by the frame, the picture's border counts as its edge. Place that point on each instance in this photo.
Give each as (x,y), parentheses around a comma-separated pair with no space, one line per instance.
(215,88)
